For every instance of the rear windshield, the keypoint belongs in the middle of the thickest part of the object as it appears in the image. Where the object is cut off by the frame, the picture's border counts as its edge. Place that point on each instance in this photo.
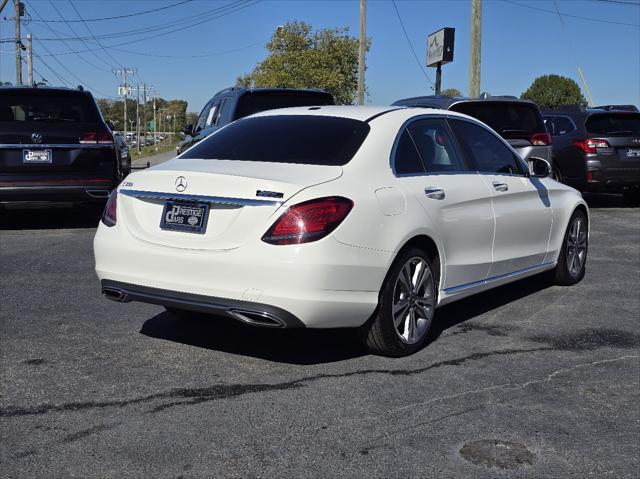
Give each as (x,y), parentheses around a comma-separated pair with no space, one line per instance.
(47,106)
(510,120)
(308,140)
(254,102)
(614,124)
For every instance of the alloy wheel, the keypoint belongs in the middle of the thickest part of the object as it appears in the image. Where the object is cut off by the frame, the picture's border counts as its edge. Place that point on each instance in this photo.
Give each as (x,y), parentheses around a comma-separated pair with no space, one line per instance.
(576,246)
(413,300)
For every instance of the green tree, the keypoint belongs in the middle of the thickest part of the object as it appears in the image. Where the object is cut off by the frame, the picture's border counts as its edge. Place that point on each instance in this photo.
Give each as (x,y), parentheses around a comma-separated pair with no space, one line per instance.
(452,92)
(552,91)
(301,58)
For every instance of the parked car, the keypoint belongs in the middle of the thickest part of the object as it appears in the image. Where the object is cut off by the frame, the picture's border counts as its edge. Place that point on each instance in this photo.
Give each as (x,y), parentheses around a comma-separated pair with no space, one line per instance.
(597,150)
(123,154)
(233,103)
(519,122)
(55,146)
(333,217)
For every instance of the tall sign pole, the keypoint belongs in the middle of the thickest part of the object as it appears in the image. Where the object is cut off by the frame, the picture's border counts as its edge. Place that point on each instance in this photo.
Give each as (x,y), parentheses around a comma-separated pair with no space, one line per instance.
(19,12)
(361,50)
(476,40)
(440,52)
(29,60)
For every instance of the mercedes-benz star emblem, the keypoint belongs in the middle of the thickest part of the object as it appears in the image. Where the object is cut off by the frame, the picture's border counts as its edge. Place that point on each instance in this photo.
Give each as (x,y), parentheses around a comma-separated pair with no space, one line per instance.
(181,183)
(36,137)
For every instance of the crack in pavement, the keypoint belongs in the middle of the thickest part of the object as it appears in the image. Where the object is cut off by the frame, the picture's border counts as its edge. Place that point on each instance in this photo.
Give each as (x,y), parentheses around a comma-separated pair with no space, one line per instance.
(224,391)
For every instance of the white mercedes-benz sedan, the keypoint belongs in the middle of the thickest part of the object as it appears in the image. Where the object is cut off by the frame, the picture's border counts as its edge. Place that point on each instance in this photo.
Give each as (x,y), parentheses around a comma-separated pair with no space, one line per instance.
(331,217)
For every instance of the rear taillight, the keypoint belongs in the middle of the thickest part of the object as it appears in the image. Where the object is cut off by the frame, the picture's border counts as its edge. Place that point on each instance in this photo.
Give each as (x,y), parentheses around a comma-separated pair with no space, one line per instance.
(590,144)
(109,217)
(308,221)
(96,138)
(541,139)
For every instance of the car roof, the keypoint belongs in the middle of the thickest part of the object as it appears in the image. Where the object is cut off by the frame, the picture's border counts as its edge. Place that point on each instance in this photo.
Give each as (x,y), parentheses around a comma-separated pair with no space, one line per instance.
(362,113)
(239,91)
(445,102)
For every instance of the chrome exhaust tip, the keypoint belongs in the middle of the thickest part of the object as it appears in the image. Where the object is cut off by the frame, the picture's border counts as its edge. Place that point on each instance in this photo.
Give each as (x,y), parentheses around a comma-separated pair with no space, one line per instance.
(115,294)
(255,318)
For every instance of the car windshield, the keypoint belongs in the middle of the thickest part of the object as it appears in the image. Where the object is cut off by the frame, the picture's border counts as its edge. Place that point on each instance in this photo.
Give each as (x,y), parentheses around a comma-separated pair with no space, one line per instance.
(257,101)
(47,106)
(614,124)
(511,120)
(309,140)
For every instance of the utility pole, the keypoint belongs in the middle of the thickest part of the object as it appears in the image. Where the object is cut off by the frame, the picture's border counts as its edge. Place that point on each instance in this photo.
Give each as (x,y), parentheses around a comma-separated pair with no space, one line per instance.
(476,34)
(361,50)
(124,90)
(144,112)
(19,12)
(155,124)
(138,120)
(29,60)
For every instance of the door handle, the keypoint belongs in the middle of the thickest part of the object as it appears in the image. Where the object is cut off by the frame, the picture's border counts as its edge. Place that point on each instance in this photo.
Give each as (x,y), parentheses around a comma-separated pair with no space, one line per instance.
(500,186)
(434,193)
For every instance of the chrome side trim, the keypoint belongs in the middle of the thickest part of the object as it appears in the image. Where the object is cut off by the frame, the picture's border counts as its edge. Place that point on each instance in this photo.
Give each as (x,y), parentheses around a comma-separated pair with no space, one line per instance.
(482,282)
(54,145)
(220,200)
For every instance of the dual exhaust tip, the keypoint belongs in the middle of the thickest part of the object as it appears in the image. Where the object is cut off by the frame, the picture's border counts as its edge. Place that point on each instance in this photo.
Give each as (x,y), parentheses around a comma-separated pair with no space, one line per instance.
(252,318)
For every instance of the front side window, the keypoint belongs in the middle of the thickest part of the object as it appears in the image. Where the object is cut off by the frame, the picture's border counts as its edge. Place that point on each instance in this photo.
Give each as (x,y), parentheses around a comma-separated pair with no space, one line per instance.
(488,153)
(563,125)
(203,118)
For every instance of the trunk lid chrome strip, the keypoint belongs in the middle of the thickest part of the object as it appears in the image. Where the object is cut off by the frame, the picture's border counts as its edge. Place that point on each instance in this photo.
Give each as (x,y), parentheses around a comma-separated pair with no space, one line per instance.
(221,200)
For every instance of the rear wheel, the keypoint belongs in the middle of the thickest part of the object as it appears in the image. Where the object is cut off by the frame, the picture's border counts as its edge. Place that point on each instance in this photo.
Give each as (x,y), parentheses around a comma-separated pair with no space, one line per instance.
(573,256)
(405,311)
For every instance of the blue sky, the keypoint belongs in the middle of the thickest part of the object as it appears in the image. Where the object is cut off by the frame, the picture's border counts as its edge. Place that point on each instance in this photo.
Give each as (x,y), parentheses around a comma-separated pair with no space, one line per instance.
(520,41)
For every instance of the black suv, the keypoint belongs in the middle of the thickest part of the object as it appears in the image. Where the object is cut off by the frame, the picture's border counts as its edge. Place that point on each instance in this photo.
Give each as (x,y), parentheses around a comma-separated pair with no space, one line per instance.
(597,150)
(519,122)
(55,146)
(233,103)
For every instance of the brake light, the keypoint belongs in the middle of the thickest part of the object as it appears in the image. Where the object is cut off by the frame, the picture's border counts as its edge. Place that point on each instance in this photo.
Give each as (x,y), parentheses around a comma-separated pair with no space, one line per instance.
(541,139)
(590,144)
(109,217)
(96,138)
(308,221)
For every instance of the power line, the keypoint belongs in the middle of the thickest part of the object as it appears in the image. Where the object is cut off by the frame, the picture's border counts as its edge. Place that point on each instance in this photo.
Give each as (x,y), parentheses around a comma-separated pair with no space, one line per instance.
(181,24)
(591,19)
(620,2)
(116,17)
(93,35)
(409,42)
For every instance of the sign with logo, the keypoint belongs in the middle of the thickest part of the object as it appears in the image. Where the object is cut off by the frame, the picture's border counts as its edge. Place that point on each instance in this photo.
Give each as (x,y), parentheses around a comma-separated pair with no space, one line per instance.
(440,47)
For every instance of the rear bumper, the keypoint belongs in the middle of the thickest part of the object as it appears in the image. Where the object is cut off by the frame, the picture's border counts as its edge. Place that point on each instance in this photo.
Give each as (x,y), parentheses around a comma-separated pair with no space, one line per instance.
(255,314)
(325,284)
(55,193)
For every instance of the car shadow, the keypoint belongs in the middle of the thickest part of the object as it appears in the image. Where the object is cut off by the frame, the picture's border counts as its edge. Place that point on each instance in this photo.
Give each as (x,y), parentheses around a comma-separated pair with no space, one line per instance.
(316,346)
(605,200)
(53,217)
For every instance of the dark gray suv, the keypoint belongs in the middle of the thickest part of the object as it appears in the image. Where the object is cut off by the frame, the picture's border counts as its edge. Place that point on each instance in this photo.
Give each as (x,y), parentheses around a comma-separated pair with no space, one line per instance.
(233,103)
(519,122)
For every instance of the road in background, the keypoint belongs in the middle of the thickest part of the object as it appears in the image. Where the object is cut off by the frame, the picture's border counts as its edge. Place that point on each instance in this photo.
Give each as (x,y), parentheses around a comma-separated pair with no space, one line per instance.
(153,160)
(527,380)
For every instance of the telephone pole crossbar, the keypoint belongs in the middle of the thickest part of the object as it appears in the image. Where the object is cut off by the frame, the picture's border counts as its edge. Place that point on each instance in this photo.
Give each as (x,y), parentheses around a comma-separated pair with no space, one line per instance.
(124,90)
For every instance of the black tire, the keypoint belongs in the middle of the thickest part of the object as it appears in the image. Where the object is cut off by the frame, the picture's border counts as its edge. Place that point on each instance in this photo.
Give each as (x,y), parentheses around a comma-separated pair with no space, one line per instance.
(380,334)
(567,271)
(632,196)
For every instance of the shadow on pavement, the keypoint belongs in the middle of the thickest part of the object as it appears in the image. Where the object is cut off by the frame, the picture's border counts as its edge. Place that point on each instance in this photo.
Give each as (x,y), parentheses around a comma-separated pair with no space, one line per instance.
(54,217)
(604,200)
(314,346)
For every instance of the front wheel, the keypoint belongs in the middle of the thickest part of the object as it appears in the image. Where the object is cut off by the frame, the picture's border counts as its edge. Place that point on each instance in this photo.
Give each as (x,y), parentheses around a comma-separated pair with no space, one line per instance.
(403,319)
(573,256)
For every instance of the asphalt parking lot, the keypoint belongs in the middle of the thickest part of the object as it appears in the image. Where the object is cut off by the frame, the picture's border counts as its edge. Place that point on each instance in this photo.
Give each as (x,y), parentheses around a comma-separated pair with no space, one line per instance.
(528,380)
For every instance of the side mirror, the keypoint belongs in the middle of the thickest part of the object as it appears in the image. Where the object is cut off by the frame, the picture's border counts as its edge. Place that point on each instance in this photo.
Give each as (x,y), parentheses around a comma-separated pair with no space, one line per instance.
(188,130)
(539,168)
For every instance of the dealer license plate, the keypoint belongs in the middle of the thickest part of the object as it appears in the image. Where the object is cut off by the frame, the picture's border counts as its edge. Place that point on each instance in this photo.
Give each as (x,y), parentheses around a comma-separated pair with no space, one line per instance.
(36,156)
(186,217)
(633,153)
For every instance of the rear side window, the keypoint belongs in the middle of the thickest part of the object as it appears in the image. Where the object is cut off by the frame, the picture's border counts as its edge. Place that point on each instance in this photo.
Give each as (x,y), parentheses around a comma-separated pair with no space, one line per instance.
(487,151)
(309,140)
(254,102)
(47,106)
(614,124)
(510,120)
(407,160)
